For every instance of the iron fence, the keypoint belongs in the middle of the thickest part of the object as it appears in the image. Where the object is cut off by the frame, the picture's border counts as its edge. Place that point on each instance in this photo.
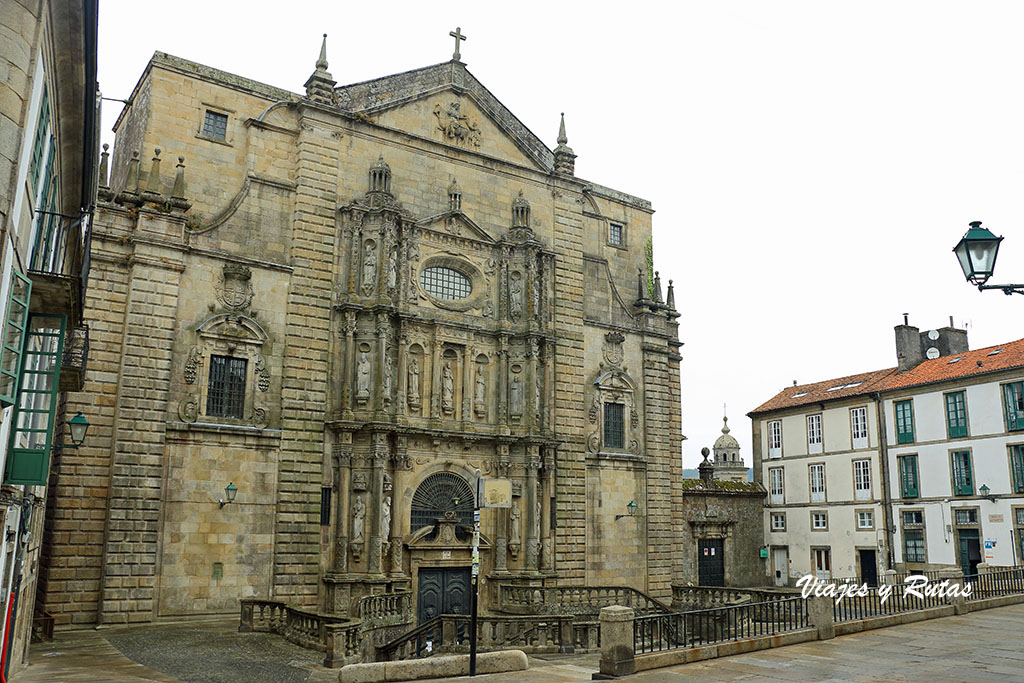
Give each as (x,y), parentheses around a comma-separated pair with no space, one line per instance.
(875,603)
(994,584)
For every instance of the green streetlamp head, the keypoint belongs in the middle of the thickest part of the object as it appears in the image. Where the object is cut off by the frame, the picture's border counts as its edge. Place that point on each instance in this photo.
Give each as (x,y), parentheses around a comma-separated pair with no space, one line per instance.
(78,426)
(977,251)
(229,492)
(984,491)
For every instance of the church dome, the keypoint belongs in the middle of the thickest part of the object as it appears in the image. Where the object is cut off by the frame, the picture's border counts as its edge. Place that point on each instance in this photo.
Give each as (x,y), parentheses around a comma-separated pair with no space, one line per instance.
(726,440)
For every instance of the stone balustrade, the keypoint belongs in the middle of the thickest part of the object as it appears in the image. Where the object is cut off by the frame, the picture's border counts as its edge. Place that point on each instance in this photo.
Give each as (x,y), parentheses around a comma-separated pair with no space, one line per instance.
(575,600)
(708,597)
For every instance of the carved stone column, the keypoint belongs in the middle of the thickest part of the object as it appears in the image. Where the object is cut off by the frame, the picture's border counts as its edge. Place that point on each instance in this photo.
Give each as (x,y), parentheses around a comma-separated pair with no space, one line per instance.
(342,454)
(349,326)
(383,328)
(467,384)
(380,457)
(503,382)
(501,537)
(549,384)
(398,513)
(546,487)
(435,379)
(531,400)
(403,368)
(532,519)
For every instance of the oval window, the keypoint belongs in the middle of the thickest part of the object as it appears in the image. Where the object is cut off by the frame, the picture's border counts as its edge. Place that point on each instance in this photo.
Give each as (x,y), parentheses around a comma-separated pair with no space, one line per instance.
(445,283)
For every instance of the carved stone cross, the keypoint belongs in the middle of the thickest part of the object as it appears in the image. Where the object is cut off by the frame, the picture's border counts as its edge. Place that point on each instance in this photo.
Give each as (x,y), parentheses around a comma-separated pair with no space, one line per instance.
(457,35)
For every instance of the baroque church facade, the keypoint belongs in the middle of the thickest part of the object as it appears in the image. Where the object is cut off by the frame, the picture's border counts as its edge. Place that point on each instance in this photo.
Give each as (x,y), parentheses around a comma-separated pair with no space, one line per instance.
(308,342)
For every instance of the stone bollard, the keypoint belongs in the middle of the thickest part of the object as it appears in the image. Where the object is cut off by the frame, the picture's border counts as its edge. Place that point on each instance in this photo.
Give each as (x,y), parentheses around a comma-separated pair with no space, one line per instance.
(984,568)
(889,577)
(245,623)
(819,611)
(955,578)
(617,641)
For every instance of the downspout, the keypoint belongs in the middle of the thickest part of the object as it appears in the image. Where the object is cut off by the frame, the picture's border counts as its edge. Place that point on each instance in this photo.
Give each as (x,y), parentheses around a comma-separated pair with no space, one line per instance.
(883,454)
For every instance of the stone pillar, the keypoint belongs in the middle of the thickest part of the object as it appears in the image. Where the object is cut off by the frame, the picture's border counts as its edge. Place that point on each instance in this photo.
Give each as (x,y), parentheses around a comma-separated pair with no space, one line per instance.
(503,383)
(350,362)
(531,399)
(380,456)
(501,535)
(403,370)
(401,467)
(821,616)
(955,578)
(467,384)
(889,577)
(532,522)
(617,657)
(342,478)
(383,328)
(547,480)
(435,379)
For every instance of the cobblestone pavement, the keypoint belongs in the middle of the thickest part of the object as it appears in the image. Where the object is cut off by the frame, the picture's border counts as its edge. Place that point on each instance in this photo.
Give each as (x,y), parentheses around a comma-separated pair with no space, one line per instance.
(983,646)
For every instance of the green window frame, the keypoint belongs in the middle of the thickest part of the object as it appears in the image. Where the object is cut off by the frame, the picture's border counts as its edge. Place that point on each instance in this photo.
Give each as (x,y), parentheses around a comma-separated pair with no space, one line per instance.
(904,421)
(39,144)
(913,546)
(14,336)
(909,486)
(1013,400)
(956,414)
(963,481)
(28,453)
(1017,467)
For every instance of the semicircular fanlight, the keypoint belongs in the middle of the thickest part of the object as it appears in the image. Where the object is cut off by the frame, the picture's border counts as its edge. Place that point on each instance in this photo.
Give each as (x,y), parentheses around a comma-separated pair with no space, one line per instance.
(438,494)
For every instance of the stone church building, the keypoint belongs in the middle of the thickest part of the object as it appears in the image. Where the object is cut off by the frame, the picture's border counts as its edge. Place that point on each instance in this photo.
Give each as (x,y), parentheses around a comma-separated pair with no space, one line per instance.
(316,316)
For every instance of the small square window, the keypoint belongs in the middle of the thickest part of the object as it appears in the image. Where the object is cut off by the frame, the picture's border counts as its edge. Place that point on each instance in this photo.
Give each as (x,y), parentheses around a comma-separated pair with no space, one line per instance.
(615,234)
(215,125)
(865,519)
(778,521)
(967,516)
(913,518)
(819,521)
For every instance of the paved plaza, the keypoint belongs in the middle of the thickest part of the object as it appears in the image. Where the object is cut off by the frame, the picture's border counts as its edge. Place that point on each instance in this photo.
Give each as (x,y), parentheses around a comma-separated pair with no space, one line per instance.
(983,646)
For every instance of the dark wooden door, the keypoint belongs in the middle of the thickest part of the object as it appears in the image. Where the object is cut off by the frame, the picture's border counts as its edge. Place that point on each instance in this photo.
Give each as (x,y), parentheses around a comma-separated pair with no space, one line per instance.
(442,591)
(970,551)
(711,562)
(868,568)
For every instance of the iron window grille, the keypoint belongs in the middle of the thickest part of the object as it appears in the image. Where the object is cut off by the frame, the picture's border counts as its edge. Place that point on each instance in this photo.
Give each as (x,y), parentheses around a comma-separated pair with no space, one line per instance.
(225,395)
(968,517)
(215,125)
(615,234)
(614,425)
(446,283)
(913,546)
(441,495)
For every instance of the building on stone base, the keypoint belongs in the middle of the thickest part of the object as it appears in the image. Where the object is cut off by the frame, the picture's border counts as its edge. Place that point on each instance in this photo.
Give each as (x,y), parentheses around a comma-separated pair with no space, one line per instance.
(346,304)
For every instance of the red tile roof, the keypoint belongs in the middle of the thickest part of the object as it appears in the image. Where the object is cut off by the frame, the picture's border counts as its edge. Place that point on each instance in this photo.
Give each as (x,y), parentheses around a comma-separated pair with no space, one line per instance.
(972,363)
(978,362)
(829,390)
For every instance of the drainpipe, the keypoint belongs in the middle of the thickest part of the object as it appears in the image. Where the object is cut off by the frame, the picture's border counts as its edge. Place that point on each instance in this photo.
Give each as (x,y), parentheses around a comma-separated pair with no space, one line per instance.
(883,454)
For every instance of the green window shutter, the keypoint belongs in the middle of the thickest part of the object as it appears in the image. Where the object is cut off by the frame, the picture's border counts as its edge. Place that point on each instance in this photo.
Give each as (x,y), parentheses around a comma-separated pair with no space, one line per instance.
(962,482)
(904,422)
(1013,399)
(908,476)
(28,454)
(14,337)
(956,415)
(1017,467)
(39,145)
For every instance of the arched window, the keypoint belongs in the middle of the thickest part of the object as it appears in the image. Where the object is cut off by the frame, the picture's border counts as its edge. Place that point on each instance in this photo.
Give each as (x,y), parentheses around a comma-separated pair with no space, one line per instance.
(441,493)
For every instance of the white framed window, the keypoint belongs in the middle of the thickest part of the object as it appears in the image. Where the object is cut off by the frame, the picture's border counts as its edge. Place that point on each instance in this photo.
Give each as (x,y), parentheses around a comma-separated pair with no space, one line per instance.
(775,439)
(817,475)
(814,433)
(775,485)
(778,521)
(822,562)
(859,427)
(819,521)
(865,519)
(862,479)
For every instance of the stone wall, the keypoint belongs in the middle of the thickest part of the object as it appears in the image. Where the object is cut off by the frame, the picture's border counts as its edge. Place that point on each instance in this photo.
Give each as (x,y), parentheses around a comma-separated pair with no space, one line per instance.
(732,511)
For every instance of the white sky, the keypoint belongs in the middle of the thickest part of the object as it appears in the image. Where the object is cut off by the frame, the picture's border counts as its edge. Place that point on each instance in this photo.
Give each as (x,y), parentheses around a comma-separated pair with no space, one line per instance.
(811,164)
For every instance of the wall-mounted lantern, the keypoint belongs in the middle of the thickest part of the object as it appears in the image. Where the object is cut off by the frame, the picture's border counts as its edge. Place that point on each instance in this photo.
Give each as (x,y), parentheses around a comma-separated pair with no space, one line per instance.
(631,508)
(229,494)
(985,491)
(78,426)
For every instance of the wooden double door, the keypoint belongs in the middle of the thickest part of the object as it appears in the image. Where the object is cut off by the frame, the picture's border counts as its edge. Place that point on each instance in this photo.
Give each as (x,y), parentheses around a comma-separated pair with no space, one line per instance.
(442,590)
(711,562)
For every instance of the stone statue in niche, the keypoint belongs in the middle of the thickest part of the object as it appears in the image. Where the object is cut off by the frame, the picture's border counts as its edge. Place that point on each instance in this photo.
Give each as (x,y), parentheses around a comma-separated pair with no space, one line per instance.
(385,519)
(515,297)
(392,269)
(516,523)
(447,388)
(481,391)
(388,369)
(537,525)
(363,377)
(369,267)
(516,395)
(536,396)
(358,519)
(414,382)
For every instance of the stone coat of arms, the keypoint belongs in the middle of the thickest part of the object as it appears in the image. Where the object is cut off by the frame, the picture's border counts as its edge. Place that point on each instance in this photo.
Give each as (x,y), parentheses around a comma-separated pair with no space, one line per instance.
(455,125)
(234,287)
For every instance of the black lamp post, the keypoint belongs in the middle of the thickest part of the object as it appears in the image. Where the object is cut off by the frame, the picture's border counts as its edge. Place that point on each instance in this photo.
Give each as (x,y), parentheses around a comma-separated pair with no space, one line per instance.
(976,252)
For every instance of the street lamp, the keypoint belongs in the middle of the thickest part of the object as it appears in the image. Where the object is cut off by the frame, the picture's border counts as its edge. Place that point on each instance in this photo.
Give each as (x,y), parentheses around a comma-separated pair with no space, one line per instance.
(976,251)
(78,426)
(229,494)
(984,491)
(631,507)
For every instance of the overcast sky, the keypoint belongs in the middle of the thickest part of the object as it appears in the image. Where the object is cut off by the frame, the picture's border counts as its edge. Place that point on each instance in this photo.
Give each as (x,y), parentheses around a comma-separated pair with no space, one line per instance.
(811,164)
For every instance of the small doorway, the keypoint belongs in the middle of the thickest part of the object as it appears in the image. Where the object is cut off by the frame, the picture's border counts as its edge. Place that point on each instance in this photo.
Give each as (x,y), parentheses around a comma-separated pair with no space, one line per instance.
(711,562)
(442,591)
(868,567)
(780,563)
(970,550)
(822,559)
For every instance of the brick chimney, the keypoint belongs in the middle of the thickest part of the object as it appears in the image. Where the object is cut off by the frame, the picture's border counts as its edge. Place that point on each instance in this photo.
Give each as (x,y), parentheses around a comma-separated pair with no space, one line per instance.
(913,347)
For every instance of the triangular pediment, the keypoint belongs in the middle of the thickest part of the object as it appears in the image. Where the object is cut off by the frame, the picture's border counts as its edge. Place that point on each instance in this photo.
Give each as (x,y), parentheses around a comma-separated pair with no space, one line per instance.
(455,223)
(447,104)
